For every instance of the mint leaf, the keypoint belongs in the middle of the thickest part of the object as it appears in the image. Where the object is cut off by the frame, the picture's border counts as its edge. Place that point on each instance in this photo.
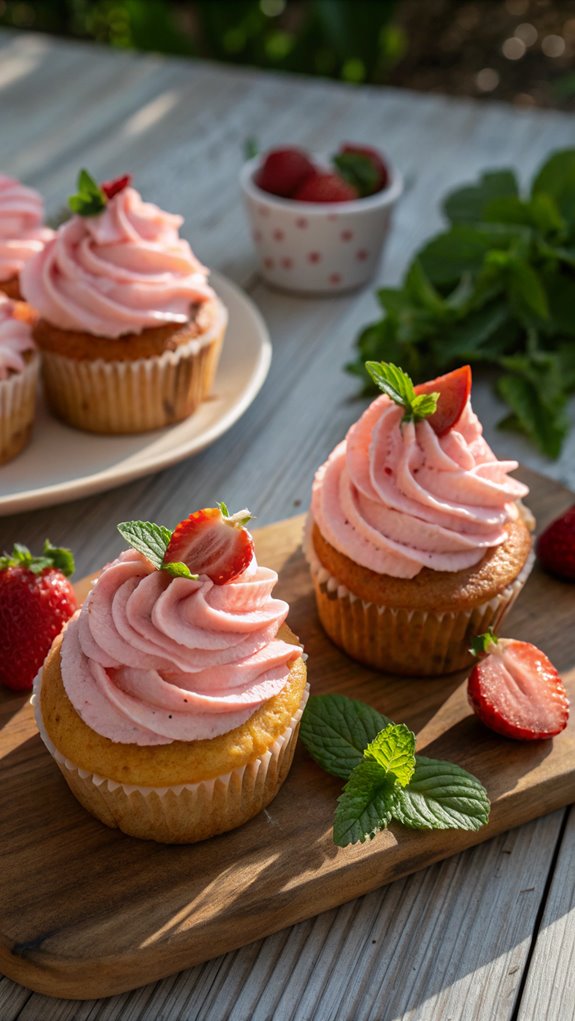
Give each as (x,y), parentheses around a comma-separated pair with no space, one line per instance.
(397,385)
(467,204)
(557,179)
(89,199)
(394,750)
(336,729)
(146,537)
(526,291)
(358,170)
(441,796)
(366,804)
(179,570)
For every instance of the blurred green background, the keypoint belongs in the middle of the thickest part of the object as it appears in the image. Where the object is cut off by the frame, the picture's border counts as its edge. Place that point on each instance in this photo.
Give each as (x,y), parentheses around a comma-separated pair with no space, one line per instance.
(522,51)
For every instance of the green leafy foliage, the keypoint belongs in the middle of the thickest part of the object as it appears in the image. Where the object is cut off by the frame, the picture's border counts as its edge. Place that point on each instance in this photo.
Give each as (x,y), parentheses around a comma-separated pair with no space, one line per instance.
(495,288)
(386,780)
(358,171)
(89,200)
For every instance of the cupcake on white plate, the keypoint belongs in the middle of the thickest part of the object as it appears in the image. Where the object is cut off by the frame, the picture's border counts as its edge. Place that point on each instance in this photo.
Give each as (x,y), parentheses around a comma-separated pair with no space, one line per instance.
(22,231)
(130,330)
(19,368)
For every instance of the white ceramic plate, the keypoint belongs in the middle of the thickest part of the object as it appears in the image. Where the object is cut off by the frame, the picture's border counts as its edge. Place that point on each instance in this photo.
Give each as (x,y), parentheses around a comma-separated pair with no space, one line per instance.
(63,463)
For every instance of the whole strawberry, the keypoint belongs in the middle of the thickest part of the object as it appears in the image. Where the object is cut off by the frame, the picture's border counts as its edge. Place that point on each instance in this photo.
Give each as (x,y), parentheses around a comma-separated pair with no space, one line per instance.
(556,546)
(515,690)
(283,171)
(322,186)
(36,600)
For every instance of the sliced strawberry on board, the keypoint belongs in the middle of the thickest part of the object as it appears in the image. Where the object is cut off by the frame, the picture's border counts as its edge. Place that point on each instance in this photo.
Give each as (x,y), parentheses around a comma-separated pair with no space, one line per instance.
(454,389)
(325,187)
(556,546)
(283,171)
(212,542)
(515,690)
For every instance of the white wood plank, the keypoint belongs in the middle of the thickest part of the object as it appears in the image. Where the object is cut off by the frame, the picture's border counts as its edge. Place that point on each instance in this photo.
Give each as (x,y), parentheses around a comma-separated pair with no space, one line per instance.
(549,993)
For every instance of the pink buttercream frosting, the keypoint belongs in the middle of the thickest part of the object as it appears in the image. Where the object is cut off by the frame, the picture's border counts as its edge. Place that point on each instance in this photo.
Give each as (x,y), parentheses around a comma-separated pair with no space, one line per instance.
(118,272)
(151,659)
(395,497)
(15,340)
(22,232)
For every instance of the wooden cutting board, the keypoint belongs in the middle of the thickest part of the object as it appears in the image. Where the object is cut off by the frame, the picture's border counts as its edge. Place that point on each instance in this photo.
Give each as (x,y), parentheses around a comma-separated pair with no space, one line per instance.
(87,912)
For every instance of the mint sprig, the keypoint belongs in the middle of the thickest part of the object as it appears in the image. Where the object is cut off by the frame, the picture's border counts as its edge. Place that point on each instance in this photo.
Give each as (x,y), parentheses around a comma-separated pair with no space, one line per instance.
(89,199)
(494,288)
(397,385)
(51,557)
(153,540)
(358,170)
(385,779)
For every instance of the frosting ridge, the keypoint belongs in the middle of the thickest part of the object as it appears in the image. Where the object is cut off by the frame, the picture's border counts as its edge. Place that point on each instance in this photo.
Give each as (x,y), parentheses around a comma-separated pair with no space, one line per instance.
(118,272)
(15,340)
(395,497)
(151,659)
(22,232)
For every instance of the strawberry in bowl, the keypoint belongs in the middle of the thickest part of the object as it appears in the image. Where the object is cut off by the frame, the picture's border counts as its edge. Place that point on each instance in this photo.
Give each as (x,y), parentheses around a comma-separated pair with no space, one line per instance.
(319,223)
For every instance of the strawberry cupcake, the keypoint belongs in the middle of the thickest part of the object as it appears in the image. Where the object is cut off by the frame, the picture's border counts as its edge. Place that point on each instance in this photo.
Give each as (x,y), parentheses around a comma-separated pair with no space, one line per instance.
(19,369)
(129,329)
(416,538)
(22,231)
(172,701)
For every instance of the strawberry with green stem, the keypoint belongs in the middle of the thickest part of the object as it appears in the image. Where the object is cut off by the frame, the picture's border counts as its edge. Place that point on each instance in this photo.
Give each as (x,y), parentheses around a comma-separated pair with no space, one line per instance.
(36,600)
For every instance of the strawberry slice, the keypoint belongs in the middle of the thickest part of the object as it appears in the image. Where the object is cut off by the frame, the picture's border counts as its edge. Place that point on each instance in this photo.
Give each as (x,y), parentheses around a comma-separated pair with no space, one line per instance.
(212,542)
(454,389)
(556,546)
(515,690)
(111,188)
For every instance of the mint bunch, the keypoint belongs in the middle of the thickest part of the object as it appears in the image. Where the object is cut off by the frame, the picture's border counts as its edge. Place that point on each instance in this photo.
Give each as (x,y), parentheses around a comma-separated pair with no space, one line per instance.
(494,288)
(386,780)
(153,540)
(394,382)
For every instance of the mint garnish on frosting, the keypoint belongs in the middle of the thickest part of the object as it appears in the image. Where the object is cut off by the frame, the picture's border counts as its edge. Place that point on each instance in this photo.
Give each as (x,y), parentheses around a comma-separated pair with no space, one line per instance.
(386,780)
(398,386)
(153,540)
(89,199)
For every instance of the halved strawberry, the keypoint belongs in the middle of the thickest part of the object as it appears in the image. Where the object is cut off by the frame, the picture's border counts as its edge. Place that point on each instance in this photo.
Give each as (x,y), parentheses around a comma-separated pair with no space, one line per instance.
(212,542)
(454,389)
(516,691)
(556,546)
(111,188)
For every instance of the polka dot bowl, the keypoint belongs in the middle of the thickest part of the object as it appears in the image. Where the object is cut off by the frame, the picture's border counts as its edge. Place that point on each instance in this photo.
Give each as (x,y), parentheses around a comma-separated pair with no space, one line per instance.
(318,247)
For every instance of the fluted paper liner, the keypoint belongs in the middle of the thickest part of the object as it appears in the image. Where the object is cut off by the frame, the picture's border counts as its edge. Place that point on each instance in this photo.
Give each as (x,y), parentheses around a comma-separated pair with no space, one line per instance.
(17,408)
(184,813)
(133,396)
(423,643)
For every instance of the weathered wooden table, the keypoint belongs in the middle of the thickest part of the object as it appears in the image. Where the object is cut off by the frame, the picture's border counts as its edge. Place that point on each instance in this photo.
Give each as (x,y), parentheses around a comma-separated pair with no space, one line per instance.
(490,933)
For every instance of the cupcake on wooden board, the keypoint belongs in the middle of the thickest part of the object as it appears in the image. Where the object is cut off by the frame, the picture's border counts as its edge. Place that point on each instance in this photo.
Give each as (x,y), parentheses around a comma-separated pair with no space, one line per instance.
(416,539)
(19,369)
(22,231)
(130,330)
(171,703)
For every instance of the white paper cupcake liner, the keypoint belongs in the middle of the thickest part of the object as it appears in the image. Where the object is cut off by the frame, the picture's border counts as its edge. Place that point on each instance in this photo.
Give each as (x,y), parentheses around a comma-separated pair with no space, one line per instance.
(17,408)
(182,813)
(134,396)
(422,643)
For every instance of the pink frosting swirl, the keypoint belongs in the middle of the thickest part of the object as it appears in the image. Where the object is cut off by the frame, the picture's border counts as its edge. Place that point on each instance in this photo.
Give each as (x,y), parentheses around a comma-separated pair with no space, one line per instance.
(22,233)
(396,497)
(118,272)
(15,339)
(151,659)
